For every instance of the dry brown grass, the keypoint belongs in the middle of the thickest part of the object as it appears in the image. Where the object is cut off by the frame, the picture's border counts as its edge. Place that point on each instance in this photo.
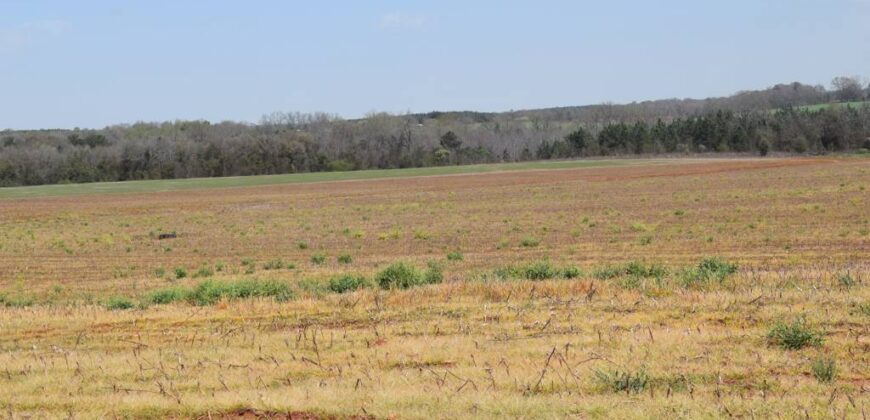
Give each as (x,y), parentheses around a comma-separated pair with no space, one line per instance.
(473,346)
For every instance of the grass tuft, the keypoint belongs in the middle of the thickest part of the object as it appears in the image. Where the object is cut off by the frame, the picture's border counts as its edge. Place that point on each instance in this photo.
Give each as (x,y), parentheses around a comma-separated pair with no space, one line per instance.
(118,303)
(825,370)
(795,335)
(401,275)
(347,283)
(623,381)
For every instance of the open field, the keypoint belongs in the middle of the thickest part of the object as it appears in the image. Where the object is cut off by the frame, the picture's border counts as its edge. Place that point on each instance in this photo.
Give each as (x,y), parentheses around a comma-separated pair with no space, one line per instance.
(60,190)
(646,289)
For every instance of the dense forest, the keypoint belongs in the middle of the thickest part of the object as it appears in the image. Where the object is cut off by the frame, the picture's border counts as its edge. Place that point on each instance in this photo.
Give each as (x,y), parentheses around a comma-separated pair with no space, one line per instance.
(792,118)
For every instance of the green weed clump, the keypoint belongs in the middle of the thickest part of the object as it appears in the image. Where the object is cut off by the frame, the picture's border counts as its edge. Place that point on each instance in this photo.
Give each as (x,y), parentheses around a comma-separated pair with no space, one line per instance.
(401,275)
(538,270)
(571,272)
(166,296)
(846,280)
(276,264)
(795,335)
(344,259)
(825,370)
(180,272)
(619,381)
(204,271)
(16,302)
(633,269)
(118,303)
(455,256)
(318,259)
(708,271)
(347,283)
(607,272)
(530,242)
(210,292)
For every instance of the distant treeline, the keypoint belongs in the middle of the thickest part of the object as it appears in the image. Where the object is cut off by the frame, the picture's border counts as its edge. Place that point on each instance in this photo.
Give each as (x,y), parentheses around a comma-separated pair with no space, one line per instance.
(285,143)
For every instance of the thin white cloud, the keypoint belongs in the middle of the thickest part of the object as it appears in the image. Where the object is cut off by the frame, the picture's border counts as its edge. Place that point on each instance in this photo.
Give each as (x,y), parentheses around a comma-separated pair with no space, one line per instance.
(20,36)
(402,21)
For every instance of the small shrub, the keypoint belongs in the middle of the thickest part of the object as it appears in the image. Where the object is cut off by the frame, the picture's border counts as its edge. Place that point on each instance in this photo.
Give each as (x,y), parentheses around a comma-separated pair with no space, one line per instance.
(640,227)
(606,273)
(825,370)
(166,296)
(119,304)
(159,272)
(846,280)
(16,302)
(344,259)
(433,273)
(571,272)
(318,259)
(347,283)
(858,309)
(275,264)
(540,270)
(636,269)
(211,291)
(399,275)
(204,271)
(530,242)
(302,245)
(708,271)
(180,272)
(314,287)
(628,382)
(795,335)
(422,235)
(455,256)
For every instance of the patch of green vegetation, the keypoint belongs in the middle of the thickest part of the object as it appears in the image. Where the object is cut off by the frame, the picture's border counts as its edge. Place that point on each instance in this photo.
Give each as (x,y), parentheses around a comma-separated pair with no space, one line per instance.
(537,270)
(633,269)
(794,335)
(709,271)
(276,264)
(166,296)
(348,283)
(623,381)
(318,259)
(16,302)
(344,259)
(861,309)
(204,271)
(571,272)
(846,280)
(210,292)
(824,370)
(119,303)
(180,272)
(455,256)
(401,275)
(530,242)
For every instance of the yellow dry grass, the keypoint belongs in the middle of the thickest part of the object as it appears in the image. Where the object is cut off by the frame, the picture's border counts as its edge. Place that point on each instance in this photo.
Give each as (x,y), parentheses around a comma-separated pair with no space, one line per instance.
(473,346)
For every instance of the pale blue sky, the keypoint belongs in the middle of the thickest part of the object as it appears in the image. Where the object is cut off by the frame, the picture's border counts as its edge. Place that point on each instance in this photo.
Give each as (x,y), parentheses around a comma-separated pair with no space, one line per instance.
(93,63)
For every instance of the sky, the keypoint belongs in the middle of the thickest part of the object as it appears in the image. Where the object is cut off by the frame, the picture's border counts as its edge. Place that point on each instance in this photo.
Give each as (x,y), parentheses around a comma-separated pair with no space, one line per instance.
(90,64)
